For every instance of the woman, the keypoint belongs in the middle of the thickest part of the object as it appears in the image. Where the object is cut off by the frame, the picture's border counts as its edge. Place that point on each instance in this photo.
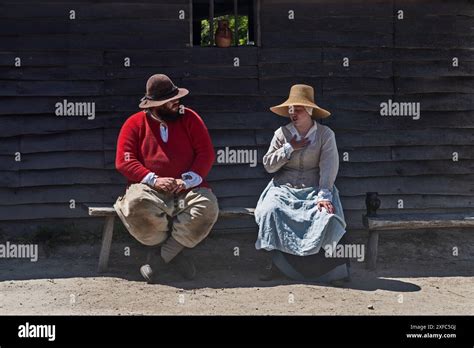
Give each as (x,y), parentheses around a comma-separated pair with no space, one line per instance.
(299,212)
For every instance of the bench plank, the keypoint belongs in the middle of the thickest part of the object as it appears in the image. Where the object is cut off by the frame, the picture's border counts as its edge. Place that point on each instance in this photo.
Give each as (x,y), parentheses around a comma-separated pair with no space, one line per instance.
(408,222)
(418,221)
(235,212)
(102,211)
(224,213)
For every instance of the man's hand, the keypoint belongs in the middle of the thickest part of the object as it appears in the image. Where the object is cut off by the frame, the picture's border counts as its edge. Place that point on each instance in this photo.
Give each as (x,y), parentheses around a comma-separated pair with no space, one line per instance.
(165,184)
(326,204)
(298,144)
(180,186)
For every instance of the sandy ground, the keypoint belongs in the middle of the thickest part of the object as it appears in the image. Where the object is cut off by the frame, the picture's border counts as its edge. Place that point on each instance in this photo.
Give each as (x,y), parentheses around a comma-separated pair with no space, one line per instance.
(417,274)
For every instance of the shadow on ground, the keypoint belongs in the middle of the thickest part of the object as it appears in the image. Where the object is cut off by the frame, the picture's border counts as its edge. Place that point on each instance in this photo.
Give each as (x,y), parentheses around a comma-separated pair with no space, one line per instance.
(232,262)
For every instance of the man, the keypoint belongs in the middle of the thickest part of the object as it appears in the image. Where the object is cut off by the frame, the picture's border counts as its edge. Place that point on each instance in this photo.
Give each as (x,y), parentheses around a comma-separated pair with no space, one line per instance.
(165,152)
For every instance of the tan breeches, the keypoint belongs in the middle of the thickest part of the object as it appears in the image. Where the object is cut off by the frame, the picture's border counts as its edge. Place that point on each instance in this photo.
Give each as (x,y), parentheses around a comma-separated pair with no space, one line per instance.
(150,215)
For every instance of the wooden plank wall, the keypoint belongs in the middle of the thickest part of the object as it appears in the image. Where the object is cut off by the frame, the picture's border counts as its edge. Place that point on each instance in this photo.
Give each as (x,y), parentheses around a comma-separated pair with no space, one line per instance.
(409,59)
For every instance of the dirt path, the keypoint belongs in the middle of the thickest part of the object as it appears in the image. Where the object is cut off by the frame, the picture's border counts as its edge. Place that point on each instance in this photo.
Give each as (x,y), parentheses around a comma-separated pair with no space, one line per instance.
(417,274)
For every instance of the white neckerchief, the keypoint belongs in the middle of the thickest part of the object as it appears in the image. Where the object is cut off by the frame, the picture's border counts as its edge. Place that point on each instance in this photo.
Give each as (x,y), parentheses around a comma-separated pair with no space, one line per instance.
(164,132)
(163,128)
(310,135)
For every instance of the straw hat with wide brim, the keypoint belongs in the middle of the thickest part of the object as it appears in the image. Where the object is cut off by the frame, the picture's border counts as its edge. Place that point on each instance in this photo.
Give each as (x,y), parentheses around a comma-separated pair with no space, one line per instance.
(160,90)
(300,95)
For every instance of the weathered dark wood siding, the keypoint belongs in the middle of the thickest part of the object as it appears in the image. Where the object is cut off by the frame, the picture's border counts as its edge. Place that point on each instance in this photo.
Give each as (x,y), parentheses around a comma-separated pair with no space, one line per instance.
(408,59)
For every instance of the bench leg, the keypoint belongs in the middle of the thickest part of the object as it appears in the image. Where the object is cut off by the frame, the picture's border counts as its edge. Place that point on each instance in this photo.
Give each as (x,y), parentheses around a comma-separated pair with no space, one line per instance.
(372,246)
(107,235)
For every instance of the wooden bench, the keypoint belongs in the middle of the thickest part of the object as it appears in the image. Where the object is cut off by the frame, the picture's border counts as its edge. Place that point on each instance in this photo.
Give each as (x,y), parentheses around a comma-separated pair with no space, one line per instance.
(108,230)
(405,221)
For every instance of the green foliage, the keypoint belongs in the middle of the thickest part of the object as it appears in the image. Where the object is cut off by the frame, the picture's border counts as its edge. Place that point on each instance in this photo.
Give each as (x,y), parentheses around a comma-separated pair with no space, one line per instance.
(243,29)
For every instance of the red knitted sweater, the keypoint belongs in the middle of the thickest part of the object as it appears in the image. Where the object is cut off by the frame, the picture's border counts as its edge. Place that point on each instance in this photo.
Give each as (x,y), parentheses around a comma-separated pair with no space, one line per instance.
(140,149)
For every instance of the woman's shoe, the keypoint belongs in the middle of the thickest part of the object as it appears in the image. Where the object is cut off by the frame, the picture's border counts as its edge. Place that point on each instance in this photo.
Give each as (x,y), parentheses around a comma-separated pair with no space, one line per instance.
(269,272)
(340,275)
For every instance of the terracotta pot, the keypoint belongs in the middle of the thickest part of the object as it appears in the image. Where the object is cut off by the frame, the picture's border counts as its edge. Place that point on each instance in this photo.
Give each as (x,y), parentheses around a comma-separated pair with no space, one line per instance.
(223,37)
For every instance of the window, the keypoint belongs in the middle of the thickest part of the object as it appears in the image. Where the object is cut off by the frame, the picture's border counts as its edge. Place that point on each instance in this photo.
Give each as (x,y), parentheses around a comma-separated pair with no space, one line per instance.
(209,15)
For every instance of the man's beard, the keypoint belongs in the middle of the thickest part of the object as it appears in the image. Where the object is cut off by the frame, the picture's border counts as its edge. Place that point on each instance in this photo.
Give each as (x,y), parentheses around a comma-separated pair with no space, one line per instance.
(167,114)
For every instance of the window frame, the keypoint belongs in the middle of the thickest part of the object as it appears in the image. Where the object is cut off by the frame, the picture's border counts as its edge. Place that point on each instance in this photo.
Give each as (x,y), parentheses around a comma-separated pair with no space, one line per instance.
(256,8)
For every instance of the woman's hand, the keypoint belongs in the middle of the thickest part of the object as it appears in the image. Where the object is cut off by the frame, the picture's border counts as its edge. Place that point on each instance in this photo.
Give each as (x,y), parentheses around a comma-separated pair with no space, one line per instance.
(298,144)
(326,204)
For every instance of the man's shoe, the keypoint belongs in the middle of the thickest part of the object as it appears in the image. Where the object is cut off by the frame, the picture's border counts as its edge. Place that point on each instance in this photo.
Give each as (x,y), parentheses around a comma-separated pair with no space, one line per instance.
(147,273)
(150,269)
(184,265)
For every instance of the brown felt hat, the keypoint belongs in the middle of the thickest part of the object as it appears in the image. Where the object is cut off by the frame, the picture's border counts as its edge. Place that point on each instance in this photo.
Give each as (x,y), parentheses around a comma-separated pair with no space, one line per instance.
(300,95)
(160,90)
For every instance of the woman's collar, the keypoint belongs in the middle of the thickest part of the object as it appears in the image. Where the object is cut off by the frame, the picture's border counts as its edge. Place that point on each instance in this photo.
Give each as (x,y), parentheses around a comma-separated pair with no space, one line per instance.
(291,127)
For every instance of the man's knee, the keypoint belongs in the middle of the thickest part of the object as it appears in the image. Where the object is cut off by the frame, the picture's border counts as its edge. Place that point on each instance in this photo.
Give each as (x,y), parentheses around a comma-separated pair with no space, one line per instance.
(142,200)
(195,221)
(150,238)
(205,206)
(143,214)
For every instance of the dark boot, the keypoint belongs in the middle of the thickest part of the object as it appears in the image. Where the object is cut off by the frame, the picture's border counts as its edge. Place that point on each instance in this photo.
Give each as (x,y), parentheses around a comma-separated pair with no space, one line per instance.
(269,270)
(184,266)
